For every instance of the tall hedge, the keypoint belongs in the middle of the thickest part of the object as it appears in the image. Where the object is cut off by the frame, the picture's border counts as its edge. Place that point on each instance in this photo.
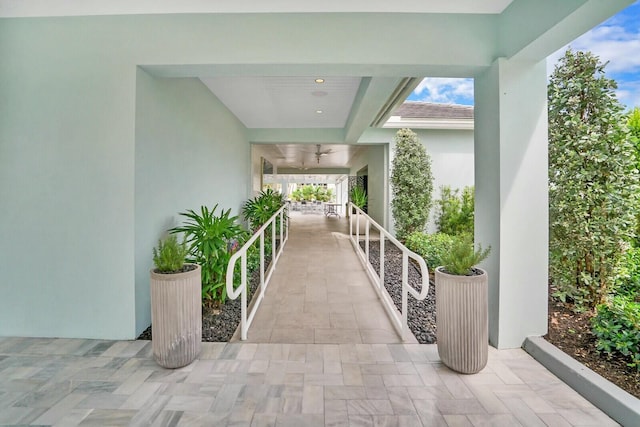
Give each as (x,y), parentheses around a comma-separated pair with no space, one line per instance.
(593,181)
(412,184)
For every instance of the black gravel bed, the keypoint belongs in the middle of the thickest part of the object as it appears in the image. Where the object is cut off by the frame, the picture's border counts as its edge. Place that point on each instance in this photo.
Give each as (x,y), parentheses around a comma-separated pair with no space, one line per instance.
(219,325)
(421,315)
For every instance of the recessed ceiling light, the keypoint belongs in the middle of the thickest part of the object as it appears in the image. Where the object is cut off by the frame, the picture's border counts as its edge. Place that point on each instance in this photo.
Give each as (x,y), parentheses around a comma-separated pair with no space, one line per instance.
(319,80)
(319,111)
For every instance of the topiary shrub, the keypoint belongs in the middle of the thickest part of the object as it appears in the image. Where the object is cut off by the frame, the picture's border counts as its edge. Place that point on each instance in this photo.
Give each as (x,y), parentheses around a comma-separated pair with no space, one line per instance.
(412,184)
(593,181)
(431,247)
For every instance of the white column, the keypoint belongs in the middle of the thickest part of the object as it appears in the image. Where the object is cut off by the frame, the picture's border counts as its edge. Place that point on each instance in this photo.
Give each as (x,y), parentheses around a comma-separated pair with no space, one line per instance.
(512,196)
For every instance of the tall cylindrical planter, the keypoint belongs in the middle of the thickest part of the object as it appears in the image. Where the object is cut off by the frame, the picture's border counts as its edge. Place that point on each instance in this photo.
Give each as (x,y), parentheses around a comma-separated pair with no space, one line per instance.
(462,321)
(176,317)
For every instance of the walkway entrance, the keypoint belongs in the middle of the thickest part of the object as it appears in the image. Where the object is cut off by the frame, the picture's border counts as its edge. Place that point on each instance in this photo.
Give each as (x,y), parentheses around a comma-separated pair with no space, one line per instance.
(319,292)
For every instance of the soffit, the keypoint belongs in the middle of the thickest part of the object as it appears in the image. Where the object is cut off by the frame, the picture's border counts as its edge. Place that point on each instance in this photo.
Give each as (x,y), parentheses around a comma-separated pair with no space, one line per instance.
(27,8)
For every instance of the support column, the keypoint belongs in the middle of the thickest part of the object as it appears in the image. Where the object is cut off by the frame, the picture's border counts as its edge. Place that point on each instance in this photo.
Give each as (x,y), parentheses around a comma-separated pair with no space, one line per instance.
(511,167)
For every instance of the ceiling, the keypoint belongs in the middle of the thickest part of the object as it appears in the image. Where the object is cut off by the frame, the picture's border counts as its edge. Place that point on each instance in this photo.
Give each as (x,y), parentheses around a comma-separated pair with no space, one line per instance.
(303,158)
(287,102)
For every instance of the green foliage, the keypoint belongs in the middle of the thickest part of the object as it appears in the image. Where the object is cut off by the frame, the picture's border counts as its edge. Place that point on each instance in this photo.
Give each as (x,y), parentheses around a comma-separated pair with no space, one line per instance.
(170,255)
(358,197)
(455,211)
(463,256)
(628,280)
(257,211)
(412,184)
(617,329)
(211,239)
(308,193)
(431,247)
(633,122)
(593,182)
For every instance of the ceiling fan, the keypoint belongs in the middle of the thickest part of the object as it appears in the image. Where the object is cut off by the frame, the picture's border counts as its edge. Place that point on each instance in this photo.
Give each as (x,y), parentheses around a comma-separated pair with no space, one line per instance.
(319,153)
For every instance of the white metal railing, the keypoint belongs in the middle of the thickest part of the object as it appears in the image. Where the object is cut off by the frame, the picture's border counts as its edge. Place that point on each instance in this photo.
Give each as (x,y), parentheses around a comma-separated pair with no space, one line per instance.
(399,318)
(232,293)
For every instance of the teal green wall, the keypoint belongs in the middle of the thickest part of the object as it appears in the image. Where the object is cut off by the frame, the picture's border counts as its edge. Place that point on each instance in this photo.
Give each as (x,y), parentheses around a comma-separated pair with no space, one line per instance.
(190,151)
(66,184)
(71,247)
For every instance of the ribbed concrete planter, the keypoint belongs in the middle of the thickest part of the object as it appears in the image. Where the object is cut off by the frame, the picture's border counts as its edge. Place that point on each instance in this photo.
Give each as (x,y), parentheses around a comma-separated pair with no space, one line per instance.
(176,317)
(462,321)
(363,225)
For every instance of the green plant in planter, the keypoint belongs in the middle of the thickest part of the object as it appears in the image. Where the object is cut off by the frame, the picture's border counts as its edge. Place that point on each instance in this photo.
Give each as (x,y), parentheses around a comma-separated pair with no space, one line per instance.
(208,237)
(170,256)
(358,197)
(462,257)
(258,210)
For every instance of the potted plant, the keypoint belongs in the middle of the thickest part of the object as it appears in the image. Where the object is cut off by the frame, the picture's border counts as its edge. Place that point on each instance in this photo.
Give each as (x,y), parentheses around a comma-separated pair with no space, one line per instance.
(359,198)
(210,239)
(176,305)
(462,308)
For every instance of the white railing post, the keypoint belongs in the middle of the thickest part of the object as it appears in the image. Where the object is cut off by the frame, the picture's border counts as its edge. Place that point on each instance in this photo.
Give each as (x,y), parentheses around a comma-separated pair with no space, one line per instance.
(381,261)
(243,296)
(366,238)
(273,240)
(405,293)
(262,263)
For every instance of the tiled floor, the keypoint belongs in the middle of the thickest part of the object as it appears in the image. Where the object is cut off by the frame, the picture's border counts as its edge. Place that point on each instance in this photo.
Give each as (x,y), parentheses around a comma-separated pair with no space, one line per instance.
(331,358)
(319,292)
(66,382)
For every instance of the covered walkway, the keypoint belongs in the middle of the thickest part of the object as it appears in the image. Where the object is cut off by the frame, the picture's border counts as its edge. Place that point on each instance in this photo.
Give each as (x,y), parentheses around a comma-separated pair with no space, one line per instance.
(323,353)
(319,292)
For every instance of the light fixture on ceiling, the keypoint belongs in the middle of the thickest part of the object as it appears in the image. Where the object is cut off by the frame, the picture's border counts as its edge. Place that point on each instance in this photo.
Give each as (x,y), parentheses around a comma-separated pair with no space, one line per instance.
(319,80)
(319,111)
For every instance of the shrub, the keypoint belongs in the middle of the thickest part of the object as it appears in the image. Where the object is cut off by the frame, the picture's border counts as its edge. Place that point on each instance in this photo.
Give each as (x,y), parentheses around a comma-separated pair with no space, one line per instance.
(628,280)
(431,247)
(463,257)
(258,210)
(170,255)
(208,236)
(455,211)
(412,184)
(617,329)
(593,182)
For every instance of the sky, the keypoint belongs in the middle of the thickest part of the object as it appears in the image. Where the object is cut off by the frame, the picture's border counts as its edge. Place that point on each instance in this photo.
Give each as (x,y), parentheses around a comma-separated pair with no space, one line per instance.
(616,40)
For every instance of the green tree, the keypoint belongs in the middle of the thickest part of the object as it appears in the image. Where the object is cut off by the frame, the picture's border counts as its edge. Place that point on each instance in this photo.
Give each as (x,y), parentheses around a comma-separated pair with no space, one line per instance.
(633,122)
(412,184)
(593,181)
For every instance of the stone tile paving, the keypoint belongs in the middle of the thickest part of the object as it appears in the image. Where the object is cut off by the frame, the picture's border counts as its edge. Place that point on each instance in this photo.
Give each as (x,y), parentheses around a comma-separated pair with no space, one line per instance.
(67,382)
(319,292)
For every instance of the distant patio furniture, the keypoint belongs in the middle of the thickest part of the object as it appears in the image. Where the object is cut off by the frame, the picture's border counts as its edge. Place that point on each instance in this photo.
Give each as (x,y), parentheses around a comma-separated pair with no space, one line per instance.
(331,209)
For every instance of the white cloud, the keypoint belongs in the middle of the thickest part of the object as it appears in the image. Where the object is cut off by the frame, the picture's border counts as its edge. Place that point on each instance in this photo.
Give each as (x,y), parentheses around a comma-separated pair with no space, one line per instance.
(628,93)
(444,90)
(618,45)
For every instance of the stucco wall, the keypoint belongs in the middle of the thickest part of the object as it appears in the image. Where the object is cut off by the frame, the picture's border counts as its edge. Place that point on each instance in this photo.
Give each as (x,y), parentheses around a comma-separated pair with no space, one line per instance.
(68,251)
(189,149)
